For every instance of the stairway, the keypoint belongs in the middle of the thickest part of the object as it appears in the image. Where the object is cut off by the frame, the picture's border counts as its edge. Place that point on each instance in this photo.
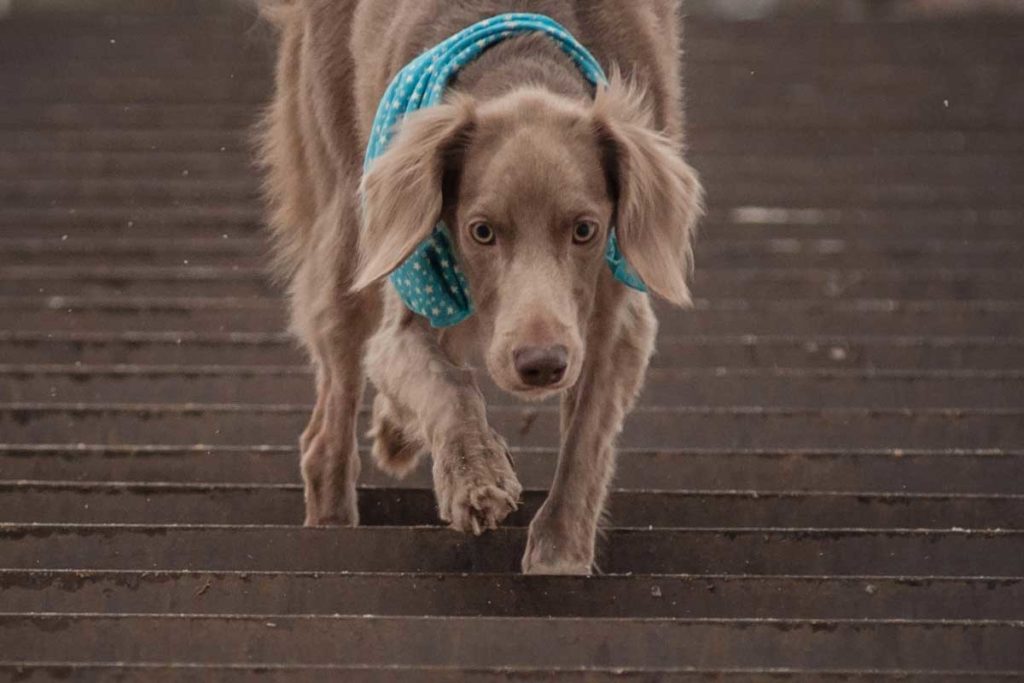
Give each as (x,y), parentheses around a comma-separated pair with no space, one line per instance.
(824,479)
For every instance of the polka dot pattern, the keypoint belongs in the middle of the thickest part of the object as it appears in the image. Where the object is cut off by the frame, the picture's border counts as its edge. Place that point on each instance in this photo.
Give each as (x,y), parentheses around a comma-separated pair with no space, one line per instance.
(429,281)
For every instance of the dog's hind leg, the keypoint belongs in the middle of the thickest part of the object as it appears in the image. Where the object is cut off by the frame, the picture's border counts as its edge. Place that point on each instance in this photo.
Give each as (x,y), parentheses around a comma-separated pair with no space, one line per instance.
(397,447)
(335,325)
(330,455)
(563,533)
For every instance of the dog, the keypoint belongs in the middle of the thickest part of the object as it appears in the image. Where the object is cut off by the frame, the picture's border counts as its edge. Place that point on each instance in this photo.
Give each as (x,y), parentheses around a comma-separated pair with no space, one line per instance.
(531,168)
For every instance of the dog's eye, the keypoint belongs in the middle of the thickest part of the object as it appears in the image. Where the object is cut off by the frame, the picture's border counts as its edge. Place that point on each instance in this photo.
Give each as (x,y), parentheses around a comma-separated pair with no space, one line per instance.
(584,232)
(482,233)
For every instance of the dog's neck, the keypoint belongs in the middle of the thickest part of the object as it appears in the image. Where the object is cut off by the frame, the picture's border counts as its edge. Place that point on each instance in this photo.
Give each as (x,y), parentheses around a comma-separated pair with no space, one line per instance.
(523,60)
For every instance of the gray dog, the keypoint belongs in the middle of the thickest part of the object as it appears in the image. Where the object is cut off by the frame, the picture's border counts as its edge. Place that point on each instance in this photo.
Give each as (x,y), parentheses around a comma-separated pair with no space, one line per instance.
(530,169)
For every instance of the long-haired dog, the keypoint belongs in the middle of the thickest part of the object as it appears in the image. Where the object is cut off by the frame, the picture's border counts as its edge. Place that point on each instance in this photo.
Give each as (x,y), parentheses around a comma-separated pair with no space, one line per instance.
(531,168)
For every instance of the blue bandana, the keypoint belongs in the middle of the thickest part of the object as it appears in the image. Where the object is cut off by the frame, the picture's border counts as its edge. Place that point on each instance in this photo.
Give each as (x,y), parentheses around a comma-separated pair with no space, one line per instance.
(430,282)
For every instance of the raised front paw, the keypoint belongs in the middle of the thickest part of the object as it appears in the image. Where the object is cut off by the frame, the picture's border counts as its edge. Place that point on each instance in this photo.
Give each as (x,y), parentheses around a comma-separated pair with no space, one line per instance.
(558,547)
(475,484)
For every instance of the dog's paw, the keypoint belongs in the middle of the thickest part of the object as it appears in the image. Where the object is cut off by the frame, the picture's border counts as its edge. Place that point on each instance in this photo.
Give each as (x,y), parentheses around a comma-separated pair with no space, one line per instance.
(330,504)
(554,548)
(330,474)
(344,515)
(475,484)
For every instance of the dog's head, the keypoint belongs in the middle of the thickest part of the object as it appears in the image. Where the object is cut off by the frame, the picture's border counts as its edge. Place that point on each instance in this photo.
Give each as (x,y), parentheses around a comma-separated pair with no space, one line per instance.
(530,184)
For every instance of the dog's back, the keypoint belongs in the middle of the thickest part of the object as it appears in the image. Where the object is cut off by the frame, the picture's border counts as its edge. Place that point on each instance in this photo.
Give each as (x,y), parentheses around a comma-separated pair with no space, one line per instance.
(336,58)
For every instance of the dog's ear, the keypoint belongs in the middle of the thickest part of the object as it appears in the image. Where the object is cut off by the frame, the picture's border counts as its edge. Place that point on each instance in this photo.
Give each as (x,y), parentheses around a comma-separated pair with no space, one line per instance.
(402,192)
(658,196)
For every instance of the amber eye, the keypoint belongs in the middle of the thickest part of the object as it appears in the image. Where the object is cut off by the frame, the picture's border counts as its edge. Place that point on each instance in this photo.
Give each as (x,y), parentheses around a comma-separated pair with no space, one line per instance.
(583,232)
(482,233)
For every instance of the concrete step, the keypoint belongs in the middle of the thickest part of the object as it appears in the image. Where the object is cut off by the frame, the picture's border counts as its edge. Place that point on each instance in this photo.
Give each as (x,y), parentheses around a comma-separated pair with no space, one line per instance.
(841,552)
(655,427)
(483,641)
(949,471)
(711,596)
(281,504)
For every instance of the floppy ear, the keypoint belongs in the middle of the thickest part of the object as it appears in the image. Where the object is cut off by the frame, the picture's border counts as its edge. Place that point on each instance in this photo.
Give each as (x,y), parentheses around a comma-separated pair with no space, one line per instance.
(658,196)
(402,192)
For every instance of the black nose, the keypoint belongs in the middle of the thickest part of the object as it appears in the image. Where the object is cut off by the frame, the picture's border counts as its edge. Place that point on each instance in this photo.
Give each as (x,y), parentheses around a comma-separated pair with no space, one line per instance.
(541,366)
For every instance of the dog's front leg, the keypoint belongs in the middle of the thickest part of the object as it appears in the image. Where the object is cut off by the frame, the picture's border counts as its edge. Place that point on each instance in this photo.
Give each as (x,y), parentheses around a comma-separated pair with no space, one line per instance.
(440,402)
(563,534)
